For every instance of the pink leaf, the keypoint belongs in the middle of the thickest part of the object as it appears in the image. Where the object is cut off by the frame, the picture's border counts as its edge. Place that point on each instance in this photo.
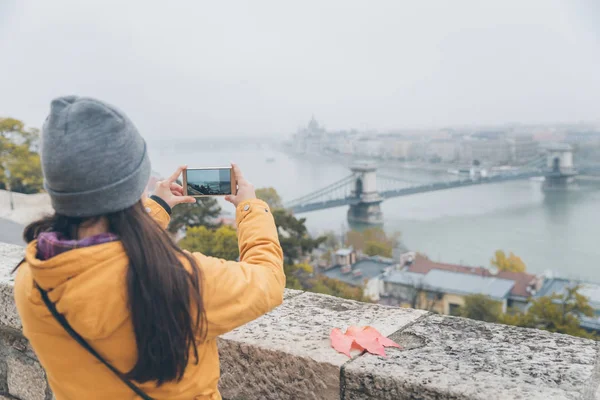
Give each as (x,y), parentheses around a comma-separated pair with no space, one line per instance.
(361,338)
(368,340)
(341,342)
(382,339)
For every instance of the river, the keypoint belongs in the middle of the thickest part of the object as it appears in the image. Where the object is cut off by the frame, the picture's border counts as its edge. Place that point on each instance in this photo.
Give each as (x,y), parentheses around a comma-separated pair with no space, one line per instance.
(552,231)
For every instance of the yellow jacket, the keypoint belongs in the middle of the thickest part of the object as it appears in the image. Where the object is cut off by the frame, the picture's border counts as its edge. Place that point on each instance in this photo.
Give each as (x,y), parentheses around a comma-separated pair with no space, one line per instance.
(88,287)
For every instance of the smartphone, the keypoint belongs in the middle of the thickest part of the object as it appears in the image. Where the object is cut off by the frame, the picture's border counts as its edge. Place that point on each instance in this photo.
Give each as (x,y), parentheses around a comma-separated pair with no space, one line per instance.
(202,182)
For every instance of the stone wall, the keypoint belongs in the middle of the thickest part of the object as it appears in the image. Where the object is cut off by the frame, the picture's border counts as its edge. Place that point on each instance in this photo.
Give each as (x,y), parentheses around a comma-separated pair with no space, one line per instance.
(287,355)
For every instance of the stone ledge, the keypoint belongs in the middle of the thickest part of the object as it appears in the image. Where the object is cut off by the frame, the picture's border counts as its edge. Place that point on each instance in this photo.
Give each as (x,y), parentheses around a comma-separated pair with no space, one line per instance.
(287,355)
(456,358)
(10,256)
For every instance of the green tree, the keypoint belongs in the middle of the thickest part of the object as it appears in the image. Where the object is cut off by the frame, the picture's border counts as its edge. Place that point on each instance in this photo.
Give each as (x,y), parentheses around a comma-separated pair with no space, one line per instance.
(297,244)
(325,285)
(270,196)
(556,313)
(511,262)
(482,308)
(301,276)
(18,153)
(293,236)
(373,241)
(204,213)
(220,243)
(373,248)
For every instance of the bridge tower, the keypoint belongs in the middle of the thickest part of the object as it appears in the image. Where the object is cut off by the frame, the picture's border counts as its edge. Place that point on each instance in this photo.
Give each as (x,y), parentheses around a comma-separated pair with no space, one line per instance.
(559,167)
(365,207)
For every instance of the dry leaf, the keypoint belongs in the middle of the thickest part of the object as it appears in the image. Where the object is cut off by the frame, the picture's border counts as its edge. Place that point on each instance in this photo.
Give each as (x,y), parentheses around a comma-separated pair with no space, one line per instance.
(361,338)
(382,339)
(341,342)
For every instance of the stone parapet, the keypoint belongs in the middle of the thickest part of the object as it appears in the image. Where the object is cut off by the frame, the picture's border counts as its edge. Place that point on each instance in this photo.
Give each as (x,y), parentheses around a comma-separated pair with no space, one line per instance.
(286,354)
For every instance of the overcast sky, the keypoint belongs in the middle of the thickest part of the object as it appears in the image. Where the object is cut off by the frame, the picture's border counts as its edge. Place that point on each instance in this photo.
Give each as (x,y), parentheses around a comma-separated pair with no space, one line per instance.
(199,68)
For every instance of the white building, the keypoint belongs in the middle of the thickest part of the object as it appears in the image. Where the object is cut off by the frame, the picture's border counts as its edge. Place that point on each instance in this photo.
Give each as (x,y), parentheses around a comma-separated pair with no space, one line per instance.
(311,139)
(396,148)
(368,147)
(443,150)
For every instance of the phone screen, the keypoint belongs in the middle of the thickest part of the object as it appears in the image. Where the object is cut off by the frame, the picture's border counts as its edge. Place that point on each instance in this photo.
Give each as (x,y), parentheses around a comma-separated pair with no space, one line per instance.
(208,182)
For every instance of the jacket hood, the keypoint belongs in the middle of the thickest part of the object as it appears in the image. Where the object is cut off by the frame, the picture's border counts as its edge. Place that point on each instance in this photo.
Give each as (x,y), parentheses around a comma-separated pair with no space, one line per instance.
(86,284)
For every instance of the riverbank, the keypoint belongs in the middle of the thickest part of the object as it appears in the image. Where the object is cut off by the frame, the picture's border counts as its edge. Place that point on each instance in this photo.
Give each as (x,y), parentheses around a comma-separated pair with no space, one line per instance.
(348,160)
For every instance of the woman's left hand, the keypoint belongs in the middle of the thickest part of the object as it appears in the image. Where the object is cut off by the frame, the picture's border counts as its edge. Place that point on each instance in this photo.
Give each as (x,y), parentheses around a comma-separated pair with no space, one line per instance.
(171,192)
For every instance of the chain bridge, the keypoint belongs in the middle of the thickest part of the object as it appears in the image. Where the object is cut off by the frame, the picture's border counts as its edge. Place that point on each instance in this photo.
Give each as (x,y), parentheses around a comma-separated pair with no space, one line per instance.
(364,189)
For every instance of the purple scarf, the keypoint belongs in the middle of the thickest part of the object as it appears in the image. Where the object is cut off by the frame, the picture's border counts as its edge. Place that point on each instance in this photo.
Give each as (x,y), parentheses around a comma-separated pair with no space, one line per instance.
(50,244)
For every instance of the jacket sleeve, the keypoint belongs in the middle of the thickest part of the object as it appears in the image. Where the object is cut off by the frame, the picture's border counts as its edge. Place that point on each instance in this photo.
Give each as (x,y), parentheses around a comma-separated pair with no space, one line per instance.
(238,292)
(158,212)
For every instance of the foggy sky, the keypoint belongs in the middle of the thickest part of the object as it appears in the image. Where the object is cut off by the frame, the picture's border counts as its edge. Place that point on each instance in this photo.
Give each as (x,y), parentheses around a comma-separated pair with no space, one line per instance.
(191,68)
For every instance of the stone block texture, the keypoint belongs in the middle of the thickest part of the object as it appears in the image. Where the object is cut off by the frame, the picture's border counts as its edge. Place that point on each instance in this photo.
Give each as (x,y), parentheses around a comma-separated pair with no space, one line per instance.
(455,358)
(287,353)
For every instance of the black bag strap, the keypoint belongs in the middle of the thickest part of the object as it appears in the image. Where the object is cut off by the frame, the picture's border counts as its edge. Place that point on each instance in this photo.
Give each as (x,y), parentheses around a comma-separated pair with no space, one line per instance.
(65,324)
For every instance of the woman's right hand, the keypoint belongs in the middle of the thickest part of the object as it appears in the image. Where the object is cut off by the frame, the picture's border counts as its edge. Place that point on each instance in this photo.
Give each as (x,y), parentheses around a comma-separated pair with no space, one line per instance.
(171,192)
(245,189)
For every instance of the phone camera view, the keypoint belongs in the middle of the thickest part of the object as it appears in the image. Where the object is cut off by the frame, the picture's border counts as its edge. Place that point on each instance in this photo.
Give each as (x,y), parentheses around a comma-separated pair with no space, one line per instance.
(209,182)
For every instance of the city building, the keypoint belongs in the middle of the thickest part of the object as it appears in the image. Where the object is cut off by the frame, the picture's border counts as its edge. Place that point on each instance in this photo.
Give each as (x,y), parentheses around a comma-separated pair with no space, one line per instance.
(365,273)
(396,146)
(444,291)
(526,286)
(368,147)
(311,139)
(490,151)
(442,150)
(414,286)
(523,148)
(344,257)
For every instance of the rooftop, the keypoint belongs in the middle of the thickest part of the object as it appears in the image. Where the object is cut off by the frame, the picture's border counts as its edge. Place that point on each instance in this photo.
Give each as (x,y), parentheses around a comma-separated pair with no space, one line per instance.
(423,265)
(459,283)
(344,252)
(369,268)
(522,280)
(453,282)
(405,278)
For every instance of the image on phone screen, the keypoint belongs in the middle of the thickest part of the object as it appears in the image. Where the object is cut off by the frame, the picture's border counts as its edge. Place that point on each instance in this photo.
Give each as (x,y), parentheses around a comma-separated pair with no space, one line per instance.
(209,182)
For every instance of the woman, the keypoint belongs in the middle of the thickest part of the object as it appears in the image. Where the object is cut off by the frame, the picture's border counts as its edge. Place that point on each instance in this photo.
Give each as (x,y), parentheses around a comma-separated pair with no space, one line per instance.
(105,263)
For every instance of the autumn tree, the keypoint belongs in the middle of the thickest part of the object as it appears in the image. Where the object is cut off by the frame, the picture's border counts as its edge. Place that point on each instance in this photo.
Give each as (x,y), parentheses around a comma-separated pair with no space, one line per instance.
(19,154)
(481,308)
(511,263)
(373,248)
(559,313)
(373,241)
(298,275)
(220,243)
(270,196)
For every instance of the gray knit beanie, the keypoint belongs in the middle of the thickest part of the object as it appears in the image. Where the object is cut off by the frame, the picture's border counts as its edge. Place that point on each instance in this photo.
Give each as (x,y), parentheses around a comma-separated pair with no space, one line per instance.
(93,158)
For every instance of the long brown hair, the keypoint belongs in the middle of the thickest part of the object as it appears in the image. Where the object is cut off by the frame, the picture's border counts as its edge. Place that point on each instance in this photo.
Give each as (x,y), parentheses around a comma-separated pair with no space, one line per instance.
(165,298)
